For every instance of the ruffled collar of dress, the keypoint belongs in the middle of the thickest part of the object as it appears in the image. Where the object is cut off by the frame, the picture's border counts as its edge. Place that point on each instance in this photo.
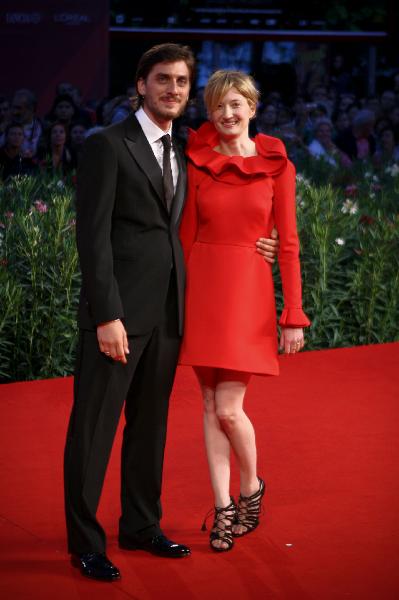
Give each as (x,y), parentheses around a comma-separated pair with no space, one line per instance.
(269,162)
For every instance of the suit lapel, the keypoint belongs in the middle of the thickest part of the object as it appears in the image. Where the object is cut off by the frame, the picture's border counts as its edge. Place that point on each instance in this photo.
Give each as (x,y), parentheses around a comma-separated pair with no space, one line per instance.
(140,149)
(180,193)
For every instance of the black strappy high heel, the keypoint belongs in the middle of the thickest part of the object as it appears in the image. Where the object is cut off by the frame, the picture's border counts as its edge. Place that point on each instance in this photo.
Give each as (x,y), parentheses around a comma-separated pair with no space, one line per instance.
(224,518)
(248,510)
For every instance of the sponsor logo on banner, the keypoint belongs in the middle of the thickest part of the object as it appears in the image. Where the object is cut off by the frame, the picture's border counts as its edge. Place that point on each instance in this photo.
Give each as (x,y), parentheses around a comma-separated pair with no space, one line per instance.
(23,18)
(72,18)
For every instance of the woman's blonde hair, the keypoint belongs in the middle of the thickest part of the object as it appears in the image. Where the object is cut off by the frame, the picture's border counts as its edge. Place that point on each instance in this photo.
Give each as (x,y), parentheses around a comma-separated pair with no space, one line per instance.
(222,81)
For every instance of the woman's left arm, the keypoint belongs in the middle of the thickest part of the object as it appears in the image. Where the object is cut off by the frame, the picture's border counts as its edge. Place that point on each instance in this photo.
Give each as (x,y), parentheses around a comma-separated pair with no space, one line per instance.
(292,319)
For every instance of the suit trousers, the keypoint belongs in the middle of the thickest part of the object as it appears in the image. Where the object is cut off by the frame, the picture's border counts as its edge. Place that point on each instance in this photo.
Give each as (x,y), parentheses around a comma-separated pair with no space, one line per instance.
(101,388)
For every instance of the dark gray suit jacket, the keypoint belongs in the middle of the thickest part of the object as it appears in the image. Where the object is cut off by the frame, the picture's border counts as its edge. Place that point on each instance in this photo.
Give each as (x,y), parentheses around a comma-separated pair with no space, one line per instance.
(127,242)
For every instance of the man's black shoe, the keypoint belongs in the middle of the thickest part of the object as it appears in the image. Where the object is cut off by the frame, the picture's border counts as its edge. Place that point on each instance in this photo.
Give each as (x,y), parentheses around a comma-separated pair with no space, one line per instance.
(95,565)
(159,545)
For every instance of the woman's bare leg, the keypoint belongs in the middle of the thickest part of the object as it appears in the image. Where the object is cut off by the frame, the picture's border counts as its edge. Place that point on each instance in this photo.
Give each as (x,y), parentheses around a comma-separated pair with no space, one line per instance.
(229,397)
(216,443)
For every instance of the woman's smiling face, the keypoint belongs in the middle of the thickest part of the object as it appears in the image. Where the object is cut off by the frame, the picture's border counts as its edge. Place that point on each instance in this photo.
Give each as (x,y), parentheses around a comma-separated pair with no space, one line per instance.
(232,114)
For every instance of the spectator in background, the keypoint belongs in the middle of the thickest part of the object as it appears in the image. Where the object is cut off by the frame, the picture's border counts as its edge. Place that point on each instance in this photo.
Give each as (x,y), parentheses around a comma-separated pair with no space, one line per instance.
(341,123)
(5,117)
(358,142)
(55,157)
(85,115)
(23,112)
(387,102)
(63,111)
(12,160)
(266,120)
(273,97)
(198,100)
(281,123)
(131,91)
(340,76)
(77,136)
(190,119)
(320,96)
(301,117)
(394,118)
(315,77)
(387,149)
(117,109)
(352,111)
(316,112)
(64,88)
(100,124)
(344,101)
(285,117)
(373,103)
(323,146)
(380,124)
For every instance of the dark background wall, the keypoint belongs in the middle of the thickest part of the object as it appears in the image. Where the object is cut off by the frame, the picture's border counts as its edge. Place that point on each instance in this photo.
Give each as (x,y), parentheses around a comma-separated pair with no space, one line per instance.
(44,42)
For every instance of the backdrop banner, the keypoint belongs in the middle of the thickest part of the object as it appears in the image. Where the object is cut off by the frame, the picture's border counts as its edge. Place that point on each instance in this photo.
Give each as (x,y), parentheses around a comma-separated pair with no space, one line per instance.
(43,42)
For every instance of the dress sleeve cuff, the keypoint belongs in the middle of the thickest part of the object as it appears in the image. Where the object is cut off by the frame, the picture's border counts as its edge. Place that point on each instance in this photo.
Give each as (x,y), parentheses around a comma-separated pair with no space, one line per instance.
(293,317)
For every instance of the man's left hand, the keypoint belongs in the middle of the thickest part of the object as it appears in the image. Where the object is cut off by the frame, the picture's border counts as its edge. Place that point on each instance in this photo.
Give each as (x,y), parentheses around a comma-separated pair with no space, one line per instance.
(268,247)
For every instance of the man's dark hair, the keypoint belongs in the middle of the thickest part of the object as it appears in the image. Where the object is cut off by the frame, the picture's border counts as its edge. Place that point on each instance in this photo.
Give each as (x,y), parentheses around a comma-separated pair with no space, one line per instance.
(164,53)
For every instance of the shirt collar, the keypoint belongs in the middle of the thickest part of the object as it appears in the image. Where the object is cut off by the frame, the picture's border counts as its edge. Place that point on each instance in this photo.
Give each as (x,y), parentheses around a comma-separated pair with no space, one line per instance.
(151,131)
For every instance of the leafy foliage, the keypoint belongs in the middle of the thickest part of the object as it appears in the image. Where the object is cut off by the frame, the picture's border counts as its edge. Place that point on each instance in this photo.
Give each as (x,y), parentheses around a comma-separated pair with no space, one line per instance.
(39,279)
(349,230)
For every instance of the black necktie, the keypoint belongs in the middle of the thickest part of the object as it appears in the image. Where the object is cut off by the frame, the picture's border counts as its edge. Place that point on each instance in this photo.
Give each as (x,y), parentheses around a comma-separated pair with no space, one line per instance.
(167,172)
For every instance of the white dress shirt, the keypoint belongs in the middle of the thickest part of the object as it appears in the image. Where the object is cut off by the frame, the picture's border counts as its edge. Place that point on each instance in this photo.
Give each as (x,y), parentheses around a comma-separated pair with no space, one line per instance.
(153,133)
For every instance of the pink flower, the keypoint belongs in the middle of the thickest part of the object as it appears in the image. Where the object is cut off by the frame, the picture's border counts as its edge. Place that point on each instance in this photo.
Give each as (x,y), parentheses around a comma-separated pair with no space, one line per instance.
(366,220)
(9,214)
(351,190)
(2,226)
(41,206)
(72,223)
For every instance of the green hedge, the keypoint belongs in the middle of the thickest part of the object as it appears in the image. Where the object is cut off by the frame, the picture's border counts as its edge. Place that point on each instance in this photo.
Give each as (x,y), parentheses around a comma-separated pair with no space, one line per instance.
(39,279)
(349,230)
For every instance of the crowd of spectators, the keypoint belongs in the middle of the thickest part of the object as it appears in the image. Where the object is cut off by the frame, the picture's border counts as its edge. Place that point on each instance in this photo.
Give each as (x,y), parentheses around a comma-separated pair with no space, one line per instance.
(51,144)
(328,122)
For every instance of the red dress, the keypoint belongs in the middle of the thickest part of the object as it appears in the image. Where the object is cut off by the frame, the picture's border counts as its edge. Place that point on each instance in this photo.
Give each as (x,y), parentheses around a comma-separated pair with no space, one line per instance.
(230,310)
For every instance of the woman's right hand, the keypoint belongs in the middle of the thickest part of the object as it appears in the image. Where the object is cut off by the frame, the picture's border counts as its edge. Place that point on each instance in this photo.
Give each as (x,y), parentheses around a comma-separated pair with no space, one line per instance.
(291,339)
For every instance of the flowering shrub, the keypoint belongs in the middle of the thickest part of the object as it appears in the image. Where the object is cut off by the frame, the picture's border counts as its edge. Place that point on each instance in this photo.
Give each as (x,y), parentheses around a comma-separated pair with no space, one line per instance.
(39,279)
(349,231)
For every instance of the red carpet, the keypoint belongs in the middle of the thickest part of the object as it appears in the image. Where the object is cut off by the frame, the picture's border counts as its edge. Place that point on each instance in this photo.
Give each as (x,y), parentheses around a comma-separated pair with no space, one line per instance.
(327,432)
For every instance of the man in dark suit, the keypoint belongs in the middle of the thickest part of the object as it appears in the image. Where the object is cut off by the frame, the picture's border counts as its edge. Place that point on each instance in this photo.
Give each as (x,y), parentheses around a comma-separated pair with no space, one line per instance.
(129,204)
(130,194)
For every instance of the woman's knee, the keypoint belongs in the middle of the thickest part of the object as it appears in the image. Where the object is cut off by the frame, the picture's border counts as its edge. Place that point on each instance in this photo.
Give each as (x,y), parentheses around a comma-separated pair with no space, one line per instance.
(228,418)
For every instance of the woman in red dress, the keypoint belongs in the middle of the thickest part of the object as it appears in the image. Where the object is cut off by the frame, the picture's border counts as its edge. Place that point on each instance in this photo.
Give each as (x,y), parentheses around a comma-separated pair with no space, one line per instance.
(239,188)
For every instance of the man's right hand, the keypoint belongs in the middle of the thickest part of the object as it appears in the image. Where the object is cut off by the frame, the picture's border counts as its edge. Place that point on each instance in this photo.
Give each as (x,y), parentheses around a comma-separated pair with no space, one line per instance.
(112,339)
(269,247)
